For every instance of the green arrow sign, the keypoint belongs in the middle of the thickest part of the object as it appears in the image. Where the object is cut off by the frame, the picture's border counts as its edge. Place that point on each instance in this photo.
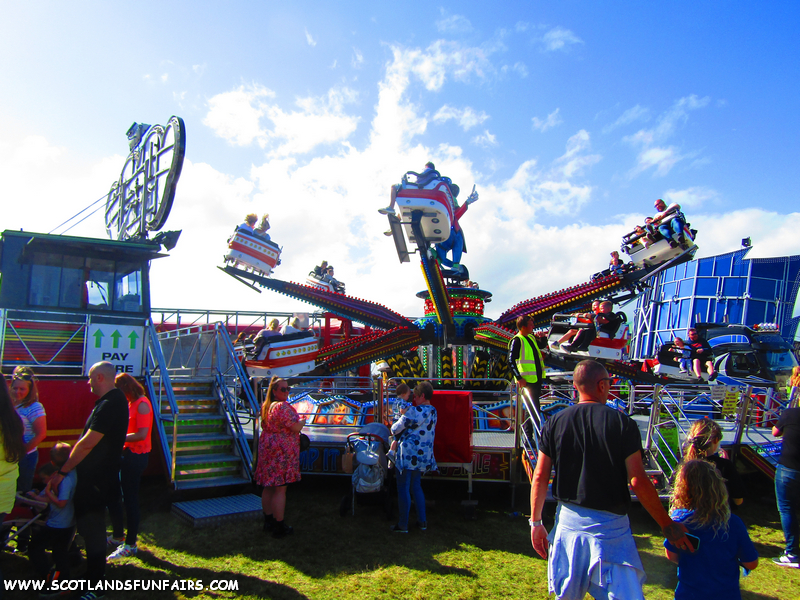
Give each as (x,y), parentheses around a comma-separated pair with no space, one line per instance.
(115,338)
(133,337)
(98,338)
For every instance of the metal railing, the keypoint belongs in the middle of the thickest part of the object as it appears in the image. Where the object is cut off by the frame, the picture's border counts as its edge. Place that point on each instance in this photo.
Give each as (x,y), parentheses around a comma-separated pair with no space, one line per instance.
(159,387)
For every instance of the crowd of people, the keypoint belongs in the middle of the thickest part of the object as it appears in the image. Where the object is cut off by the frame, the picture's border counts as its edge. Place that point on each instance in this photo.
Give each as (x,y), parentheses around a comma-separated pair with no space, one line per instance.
(102,471)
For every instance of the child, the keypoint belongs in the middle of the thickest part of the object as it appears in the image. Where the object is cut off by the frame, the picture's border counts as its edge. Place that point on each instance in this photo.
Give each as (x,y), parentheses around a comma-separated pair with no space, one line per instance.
(403,393)
(700,502)
(60,527)
(685,361)
(703,443)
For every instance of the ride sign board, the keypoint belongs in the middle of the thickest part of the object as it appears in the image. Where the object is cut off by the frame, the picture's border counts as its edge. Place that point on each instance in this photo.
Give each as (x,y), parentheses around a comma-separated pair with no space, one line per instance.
(121,345)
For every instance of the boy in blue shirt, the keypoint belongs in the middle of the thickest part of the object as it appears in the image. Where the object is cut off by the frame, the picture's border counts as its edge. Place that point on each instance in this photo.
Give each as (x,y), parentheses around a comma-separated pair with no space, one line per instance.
(59,530)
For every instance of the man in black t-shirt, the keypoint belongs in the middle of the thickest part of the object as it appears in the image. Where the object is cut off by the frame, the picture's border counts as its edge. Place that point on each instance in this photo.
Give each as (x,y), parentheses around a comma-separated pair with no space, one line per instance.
(787,485)
(596,452)
(96,458)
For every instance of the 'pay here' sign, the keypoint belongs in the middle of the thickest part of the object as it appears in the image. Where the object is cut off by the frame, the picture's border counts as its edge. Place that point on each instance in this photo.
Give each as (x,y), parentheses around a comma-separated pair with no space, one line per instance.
(121,345)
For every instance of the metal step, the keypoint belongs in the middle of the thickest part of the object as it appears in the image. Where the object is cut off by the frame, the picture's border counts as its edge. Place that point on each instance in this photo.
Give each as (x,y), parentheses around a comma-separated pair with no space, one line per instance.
(192,405)
(189,444)
(216,511)
(208,482)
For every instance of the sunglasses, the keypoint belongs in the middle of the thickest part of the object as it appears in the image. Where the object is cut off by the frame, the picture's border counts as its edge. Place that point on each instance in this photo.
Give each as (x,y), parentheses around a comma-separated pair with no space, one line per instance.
(284,389)
(23,376)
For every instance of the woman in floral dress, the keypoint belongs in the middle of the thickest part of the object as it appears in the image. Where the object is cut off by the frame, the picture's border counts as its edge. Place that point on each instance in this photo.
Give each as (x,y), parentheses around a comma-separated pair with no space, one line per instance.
(278,455)
(415,431)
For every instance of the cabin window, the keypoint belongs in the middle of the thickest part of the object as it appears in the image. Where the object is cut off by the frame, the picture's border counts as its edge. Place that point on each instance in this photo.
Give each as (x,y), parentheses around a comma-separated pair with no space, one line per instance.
(128,287)
(84,282)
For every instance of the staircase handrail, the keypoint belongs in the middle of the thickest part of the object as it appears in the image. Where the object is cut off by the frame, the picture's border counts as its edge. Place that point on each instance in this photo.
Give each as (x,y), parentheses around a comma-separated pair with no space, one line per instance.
(155,361)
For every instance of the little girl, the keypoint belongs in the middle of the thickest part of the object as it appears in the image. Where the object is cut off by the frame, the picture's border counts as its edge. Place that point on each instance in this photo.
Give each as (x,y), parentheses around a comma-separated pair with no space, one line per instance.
(703,442)
(700,501)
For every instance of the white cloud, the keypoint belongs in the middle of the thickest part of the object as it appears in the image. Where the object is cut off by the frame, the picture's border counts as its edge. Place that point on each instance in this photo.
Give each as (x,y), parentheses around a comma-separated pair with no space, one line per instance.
(467,117)
(485,139)
(310,40)
(454,24)
(636,113)
(559,38)
(441,59)
(692,197)
(358,59)
(551,121)
(199,69)
(521,26)
(164,77)
(654,155)
(237,116)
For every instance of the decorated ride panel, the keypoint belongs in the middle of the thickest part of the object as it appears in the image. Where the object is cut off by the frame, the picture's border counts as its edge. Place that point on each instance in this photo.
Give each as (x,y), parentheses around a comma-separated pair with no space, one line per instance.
(252,252)
(141,199)
(435,202)
(288,355)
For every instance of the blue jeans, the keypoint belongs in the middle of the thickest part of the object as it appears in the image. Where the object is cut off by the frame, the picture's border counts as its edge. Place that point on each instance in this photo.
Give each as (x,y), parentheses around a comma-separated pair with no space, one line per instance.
(410,482)
(670,228)
(131,469)
(787,494)
(455,243)
(27,469)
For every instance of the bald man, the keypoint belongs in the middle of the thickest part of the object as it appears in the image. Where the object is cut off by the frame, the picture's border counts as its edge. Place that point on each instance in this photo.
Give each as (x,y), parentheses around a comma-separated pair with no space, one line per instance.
(96,458)
(596,452)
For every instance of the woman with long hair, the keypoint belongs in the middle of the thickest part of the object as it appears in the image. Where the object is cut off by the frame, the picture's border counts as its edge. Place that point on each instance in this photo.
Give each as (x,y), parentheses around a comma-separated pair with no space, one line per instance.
(702,443)
(25,395)
(135,455)
(12,450)
(793,385)
(278,455)
(721,542)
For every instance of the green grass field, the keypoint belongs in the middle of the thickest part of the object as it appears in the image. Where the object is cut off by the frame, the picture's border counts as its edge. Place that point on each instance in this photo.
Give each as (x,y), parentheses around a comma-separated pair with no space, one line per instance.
(330,557)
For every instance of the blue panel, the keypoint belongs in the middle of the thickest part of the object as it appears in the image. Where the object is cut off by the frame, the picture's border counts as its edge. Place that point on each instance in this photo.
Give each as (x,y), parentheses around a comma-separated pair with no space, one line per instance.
(705,266)
(769,316)
(722,265)
(663,316)
(685,288)
(733,287)
(756,312)
(706,286)
(735,311)
(691,268)
(773,269)
(680,271)
(763,289)
(668,291)
(740,267)
(685,314)
(668,275)
(700,310)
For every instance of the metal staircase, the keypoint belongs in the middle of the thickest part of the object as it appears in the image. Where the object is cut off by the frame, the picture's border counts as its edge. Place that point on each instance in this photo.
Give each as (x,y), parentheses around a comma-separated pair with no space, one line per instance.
(205,428)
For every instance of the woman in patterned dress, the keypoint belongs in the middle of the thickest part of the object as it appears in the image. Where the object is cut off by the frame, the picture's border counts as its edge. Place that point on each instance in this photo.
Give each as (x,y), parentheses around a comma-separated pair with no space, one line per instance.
(278,455)
(415,431)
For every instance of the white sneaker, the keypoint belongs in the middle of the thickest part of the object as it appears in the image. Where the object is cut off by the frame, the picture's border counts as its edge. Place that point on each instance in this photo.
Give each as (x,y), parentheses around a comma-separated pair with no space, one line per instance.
(386,211)
(112,541)
(787,560)
(124,551)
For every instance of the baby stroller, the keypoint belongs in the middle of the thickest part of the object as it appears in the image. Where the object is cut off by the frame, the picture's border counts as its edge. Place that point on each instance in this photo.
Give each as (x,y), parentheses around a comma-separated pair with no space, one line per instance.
(365,458)
(26,514)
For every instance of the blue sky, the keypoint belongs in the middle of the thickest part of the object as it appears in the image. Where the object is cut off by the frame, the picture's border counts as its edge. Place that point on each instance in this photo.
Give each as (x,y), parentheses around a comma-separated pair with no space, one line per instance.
(570,117)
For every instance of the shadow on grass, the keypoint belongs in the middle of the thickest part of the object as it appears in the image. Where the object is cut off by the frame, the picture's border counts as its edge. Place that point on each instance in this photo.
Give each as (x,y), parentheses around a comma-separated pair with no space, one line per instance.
(326,544)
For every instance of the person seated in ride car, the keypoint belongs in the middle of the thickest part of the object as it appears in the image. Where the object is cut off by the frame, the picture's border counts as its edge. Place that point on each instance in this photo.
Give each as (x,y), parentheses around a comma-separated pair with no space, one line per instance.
(329,278)
(670,222)
(701,353)
(261,230)
(249,223)
(423,179)
(573,332)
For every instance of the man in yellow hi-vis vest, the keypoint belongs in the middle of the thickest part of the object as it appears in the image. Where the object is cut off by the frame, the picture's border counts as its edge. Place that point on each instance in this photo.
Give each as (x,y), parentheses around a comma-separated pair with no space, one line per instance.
(525,360)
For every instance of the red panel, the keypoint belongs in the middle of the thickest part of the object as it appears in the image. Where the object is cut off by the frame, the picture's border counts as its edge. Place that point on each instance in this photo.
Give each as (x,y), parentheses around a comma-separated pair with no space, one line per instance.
(453,442)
